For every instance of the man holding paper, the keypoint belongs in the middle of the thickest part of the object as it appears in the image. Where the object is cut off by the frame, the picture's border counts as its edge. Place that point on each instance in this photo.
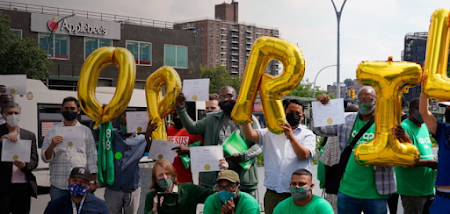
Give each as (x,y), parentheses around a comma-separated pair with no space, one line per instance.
(16,180)
(64,155)
(216,127)
(284,153)
(123,196)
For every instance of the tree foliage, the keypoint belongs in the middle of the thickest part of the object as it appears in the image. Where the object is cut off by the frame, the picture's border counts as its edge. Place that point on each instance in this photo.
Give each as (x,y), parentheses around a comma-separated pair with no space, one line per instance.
(305,89)
(219,77)
(21,56)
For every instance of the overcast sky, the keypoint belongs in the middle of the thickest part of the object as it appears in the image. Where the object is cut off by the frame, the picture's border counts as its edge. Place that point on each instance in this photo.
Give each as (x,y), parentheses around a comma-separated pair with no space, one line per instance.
(370,29)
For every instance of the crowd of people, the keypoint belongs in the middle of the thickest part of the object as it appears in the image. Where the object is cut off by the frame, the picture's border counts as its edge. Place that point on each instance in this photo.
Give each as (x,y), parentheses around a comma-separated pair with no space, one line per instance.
(350,187)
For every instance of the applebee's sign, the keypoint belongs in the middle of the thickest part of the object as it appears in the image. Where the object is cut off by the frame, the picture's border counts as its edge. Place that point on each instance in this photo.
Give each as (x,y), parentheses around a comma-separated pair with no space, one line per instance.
(75,26)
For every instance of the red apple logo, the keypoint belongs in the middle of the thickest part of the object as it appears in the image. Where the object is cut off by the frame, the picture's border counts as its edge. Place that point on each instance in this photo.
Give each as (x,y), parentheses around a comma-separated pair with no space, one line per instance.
(52,24)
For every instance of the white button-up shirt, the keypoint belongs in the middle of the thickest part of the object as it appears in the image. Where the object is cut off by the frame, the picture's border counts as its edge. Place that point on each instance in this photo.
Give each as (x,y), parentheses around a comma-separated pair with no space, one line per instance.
(64,160)
(280,160)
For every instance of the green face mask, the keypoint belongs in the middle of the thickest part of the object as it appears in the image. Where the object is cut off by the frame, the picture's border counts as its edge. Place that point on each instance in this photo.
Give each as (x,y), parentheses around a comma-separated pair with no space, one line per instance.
(123,130)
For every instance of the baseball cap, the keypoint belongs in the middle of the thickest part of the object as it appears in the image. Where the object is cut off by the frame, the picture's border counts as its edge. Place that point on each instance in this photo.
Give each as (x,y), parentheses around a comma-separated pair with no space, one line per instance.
(228,175)
(80,172)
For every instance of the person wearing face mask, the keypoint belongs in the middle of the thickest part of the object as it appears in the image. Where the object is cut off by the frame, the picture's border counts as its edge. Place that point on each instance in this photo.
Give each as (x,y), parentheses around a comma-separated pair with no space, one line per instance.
(63,159)
(177,134)
(124,194)
(77,200)
(228,199)
(4,98)
(17,181)
(302,199)
(416,183)
(361,188)
(283,153)
(215,128)
(185,196)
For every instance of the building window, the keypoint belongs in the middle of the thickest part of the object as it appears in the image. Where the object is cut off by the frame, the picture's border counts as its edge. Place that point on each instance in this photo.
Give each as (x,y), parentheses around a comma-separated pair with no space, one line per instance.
(175,56)
(210,22)
(217,42)
(18,32)
(217,29)
(217,36)
(217,48)
(210,41)
(242,26)
(210,47)
(142,52)
(59,45)
(210,29)
(92,44)
(210,35)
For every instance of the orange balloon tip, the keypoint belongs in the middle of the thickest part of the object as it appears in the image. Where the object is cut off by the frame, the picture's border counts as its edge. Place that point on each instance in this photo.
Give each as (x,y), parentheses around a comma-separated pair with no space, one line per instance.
(390,58)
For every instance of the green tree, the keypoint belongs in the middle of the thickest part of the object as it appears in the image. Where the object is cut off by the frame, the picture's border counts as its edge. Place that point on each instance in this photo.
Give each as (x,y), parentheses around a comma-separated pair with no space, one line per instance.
(21,56)
(219,77)
(305,89)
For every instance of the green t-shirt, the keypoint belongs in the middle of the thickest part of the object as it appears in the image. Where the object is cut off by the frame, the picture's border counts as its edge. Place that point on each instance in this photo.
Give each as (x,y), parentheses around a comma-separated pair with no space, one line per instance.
(189,195)
(417,181)
(317,205)
(247,204)
(358,180)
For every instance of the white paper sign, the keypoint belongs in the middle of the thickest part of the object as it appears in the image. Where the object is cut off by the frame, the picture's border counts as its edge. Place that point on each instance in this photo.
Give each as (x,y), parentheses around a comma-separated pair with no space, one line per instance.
(14,84)
(162,150)
(196,89)
(73,136)
(137,121)
(206,158)
(20,150)
(330,114)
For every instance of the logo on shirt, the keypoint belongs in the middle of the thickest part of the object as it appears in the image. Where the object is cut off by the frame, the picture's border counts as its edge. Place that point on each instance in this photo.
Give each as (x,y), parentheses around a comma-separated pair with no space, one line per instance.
(365,137)
(180,140)
(425,142)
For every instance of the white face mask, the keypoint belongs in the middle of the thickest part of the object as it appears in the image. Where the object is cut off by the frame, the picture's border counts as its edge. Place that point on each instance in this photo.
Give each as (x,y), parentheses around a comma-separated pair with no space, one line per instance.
(13,120)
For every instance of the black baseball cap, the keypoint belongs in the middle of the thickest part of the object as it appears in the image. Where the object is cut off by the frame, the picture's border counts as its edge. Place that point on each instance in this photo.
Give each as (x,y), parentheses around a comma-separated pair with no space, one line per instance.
(80,172)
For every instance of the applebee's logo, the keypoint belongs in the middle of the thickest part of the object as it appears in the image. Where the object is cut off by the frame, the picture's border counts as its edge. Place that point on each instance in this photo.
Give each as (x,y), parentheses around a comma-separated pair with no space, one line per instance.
(52,24)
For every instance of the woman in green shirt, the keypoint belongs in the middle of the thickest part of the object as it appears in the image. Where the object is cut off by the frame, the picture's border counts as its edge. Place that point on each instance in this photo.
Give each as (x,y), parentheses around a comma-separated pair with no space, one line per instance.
(185,196)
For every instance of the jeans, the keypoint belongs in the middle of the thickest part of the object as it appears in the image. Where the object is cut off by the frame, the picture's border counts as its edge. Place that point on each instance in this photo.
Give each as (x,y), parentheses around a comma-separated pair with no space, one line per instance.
(56,192)
(350,205)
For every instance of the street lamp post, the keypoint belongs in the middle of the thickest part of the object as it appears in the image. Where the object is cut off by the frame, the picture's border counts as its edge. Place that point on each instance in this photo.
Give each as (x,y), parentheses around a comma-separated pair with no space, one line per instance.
(338,18)
(314,87)
(50,37)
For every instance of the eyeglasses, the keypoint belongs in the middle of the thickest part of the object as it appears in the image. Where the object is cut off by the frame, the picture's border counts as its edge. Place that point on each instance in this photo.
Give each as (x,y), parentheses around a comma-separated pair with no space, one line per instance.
(365,100)
(227,96)
(227,188)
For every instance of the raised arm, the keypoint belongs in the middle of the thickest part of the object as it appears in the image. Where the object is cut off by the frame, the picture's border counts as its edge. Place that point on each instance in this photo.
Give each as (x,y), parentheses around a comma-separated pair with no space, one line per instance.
(427,117)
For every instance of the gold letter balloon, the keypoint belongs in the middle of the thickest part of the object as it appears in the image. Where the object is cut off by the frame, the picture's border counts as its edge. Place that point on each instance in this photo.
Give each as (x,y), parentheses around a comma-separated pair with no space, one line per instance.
(159,108)
(389,79)
(271,88)
(436,84)
(99,59)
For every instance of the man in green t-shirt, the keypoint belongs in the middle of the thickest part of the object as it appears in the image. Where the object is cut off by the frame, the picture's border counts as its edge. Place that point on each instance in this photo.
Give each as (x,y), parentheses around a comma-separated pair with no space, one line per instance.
(362,188)
(302,199)
(228,199)
(415,184)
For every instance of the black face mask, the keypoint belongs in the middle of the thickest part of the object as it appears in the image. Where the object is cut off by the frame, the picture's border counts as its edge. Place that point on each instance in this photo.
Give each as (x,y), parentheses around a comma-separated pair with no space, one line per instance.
(69,115)
(227,106)
(177,123)
(293,119)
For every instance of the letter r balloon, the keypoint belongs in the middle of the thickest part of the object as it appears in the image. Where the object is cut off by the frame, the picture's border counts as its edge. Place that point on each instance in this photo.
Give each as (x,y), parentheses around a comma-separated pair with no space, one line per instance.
(389,79)
(159,108)
(436,83)
(271,88)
